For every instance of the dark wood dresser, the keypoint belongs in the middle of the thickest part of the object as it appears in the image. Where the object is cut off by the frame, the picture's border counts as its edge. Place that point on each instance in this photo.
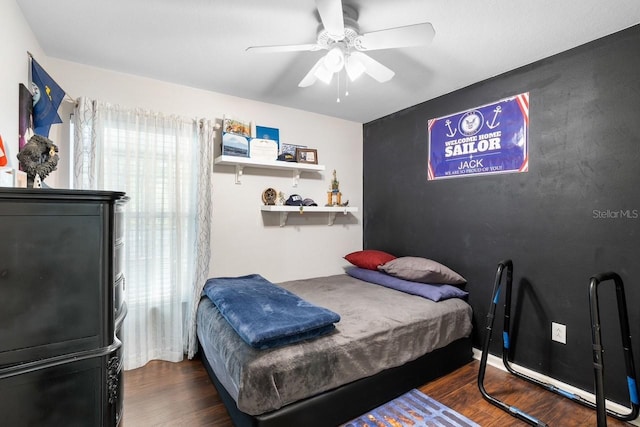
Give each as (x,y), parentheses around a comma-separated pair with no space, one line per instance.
(61,307)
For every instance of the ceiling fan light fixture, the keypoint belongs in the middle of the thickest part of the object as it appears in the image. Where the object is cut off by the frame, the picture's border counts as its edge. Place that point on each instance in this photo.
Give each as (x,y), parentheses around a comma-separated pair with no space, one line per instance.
(339,35)
(323,74)
(354,68)
(334,59)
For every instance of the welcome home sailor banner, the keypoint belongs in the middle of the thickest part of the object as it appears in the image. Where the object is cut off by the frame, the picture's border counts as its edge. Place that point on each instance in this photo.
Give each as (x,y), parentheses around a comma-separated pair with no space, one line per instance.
(484,140)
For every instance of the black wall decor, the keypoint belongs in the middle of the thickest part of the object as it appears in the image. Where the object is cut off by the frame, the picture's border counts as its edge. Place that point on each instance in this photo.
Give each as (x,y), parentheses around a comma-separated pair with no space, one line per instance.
(575,213)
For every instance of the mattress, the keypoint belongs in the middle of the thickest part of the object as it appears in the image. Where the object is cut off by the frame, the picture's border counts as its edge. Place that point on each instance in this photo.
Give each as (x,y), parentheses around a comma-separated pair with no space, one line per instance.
(380,328)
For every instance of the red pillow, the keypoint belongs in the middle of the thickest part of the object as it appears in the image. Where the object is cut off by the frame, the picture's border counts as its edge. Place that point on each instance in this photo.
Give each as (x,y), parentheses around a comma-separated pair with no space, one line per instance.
(369,258)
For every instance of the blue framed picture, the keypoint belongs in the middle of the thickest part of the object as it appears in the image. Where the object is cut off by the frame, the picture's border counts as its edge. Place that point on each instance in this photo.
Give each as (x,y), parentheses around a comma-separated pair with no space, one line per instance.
(263,132)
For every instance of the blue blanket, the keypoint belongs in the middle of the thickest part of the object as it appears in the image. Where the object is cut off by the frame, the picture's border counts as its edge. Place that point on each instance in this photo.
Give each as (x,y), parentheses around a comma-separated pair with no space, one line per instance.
(266,315)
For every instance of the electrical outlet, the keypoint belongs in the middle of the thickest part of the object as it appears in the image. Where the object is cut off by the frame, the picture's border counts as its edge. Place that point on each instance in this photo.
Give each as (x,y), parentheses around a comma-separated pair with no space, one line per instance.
(559,332)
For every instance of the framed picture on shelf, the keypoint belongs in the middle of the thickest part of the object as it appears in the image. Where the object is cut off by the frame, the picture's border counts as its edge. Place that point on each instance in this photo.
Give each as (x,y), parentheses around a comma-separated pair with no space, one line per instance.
(236,127)
(263,132)
(263,149)
(307,155)
(235,145)
(235,137)
(290,148)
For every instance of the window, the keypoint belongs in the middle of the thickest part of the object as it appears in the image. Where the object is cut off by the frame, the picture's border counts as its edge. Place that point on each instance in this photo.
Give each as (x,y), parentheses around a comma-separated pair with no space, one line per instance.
(156,159)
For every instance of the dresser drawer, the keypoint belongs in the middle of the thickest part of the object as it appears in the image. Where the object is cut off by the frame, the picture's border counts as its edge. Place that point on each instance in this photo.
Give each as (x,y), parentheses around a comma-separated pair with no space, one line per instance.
(66,395)
(50,277)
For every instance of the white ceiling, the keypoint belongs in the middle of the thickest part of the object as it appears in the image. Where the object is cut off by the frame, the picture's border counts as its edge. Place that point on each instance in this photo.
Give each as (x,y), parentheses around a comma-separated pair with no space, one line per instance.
(201,43)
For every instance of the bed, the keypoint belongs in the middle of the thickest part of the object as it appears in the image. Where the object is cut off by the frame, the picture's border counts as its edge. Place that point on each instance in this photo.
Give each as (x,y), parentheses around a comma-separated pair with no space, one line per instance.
(385,343)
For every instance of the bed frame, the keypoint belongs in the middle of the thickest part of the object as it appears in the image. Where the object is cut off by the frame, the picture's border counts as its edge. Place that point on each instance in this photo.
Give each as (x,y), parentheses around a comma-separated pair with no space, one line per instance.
(351,400)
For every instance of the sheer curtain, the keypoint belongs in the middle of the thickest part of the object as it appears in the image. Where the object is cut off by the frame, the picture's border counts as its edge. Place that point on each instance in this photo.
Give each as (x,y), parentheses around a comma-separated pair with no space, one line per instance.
(163,163)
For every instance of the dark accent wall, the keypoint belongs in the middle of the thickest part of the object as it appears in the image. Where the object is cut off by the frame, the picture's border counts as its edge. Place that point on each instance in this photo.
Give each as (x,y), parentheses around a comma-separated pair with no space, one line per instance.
(575,213)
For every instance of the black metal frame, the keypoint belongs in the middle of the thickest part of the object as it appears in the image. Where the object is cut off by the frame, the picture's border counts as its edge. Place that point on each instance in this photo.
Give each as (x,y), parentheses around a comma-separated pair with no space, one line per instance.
(511,410)
(598,351)
(597,348)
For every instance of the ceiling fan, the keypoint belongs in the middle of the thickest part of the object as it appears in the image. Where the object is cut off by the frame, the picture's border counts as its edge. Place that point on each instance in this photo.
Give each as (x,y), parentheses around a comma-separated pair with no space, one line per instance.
(339,35)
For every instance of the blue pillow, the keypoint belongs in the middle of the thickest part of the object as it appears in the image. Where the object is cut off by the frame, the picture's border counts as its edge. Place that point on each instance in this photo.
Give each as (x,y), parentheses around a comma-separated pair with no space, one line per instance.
(426,290)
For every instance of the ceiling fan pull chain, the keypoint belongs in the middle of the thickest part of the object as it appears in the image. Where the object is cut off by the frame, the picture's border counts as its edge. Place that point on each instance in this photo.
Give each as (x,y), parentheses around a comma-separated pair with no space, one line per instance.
(338,86)
(346,85)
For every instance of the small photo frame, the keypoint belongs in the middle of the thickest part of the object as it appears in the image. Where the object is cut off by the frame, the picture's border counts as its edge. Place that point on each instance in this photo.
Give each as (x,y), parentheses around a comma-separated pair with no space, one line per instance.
(307,155)
(236,127)
(290,148)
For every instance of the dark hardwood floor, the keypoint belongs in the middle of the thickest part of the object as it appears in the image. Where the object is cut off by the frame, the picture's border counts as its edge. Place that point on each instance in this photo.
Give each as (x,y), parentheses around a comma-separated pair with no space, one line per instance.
(181,394)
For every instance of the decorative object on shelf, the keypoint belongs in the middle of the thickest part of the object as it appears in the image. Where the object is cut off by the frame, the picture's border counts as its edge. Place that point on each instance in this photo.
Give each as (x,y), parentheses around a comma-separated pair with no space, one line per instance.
(263,132)
(236,127)
(281,198)
(265,143)
(289,149)
(287,157)
(294,200)
(39,157)
(269,196)
(235,145)
(263,149)
(307,155)
(297,200)
(235,137)
(334,196)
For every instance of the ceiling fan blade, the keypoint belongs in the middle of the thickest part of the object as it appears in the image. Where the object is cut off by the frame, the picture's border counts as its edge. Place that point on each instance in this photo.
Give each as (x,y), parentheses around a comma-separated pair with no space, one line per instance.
(284,48)
(311,78)
(373,67)
(331,16)
(410,35)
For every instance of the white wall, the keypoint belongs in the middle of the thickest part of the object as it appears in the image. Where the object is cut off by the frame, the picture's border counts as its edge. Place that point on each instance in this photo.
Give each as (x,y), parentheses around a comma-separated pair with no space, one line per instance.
(244,240)
(16,39)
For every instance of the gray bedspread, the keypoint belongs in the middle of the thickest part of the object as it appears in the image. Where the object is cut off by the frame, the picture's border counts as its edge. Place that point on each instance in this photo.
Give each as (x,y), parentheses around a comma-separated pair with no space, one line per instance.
(380,328)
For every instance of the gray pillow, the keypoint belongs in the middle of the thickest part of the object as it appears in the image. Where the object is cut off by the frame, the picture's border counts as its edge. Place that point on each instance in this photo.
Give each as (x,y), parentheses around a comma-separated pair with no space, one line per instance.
(422,270)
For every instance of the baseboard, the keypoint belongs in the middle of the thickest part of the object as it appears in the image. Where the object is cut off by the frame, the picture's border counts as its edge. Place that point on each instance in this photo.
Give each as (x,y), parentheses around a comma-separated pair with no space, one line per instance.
(496,362)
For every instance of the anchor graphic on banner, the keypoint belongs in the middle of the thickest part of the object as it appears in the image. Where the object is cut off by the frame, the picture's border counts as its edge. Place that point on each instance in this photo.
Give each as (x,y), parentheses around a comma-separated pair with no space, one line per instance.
(493,123)
(452,132)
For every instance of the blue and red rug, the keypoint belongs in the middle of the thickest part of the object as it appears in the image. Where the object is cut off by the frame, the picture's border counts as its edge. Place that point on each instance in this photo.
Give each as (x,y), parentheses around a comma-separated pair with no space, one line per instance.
(413,409)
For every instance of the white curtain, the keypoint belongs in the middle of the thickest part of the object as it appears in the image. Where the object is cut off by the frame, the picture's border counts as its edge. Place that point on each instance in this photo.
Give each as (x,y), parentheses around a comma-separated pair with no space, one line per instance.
(163,163)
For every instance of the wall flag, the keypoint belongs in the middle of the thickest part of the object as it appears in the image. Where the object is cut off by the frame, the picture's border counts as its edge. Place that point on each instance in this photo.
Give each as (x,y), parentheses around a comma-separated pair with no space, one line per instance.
(484,140)
(47,96)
